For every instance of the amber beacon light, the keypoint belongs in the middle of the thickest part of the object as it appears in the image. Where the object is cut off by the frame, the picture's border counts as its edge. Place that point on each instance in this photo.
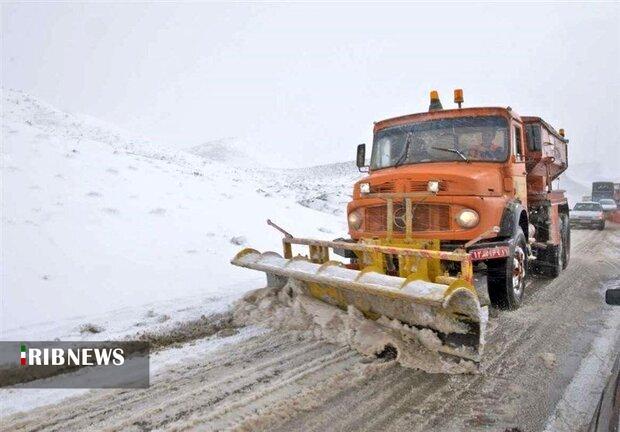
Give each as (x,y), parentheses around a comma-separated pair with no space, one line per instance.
(435,104)
(458,97)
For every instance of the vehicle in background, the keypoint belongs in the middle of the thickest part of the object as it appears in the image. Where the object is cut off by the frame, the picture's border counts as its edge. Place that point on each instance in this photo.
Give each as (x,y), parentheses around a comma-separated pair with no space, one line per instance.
(588,214)
(608,194)
(602,190)
(608,205)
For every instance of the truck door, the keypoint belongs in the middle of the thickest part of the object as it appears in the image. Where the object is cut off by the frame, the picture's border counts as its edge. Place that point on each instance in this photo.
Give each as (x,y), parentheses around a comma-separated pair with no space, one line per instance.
(517,165)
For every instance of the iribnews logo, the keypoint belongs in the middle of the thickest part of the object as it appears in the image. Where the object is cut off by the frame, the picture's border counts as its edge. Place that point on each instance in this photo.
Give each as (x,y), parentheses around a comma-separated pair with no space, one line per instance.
(85,356)
(75,364)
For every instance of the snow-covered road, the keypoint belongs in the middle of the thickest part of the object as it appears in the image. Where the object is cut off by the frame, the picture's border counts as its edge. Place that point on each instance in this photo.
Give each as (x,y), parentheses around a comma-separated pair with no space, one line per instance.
(284,381)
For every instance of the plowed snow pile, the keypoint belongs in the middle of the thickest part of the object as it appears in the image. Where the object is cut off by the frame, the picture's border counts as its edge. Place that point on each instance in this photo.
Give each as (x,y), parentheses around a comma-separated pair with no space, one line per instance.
(288,308)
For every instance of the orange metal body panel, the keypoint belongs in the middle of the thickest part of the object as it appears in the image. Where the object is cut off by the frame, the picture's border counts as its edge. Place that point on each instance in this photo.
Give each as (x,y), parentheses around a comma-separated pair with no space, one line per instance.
(478,185)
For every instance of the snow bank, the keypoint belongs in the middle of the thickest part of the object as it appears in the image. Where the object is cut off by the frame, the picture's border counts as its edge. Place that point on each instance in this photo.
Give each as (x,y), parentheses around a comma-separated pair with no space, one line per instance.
(289,309)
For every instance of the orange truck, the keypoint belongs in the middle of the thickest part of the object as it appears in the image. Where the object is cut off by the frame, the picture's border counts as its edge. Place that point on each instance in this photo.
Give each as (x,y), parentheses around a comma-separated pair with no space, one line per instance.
(456,212)
(464,173)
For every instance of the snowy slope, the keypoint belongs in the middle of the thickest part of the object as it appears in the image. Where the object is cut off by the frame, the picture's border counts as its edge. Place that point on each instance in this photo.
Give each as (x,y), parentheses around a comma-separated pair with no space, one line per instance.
(237,152)
(99,226)
(575,190)
(324,187)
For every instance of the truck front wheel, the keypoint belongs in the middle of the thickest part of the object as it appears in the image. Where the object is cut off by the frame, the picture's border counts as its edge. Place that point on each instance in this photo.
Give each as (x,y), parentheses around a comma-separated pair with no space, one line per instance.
(506,277)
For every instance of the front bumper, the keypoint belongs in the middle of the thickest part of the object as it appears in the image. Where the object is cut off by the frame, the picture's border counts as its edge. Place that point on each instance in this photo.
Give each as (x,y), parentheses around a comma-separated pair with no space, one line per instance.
(586,222)
(483,244)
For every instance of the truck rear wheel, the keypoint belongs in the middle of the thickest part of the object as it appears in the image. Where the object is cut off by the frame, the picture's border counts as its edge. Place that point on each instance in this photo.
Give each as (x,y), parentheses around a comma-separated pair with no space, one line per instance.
(506,277)
(553,260)
(565,240)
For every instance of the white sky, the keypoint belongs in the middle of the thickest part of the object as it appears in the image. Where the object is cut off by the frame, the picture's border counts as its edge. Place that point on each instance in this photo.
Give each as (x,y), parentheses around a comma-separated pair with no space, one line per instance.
(305,81)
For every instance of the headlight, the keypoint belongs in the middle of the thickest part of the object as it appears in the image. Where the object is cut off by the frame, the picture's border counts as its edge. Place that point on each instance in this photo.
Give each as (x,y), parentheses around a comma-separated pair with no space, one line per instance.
(355,220)
(467,218)
(364,188)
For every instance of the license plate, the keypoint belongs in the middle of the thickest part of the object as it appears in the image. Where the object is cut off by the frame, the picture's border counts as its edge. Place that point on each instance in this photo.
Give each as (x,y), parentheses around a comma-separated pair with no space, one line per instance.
(489,253)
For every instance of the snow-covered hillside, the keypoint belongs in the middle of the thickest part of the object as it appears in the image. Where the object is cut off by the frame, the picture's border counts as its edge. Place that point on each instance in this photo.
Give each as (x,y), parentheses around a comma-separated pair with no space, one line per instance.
(101,227)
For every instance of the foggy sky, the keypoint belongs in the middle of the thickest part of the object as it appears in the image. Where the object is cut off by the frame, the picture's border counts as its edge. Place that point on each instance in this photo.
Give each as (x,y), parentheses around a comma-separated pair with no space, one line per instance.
(304,82)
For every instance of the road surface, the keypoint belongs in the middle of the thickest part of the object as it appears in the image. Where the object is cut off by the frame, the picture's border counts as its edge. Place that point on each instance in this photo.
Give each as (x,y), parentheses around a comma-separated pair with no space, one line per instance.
(543,370)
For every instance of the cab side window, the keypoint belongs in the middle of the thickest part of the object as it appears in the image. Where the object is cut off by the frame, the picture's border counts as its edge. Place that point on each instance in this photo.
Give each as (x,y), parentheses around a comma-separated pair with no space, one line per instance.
(518,145)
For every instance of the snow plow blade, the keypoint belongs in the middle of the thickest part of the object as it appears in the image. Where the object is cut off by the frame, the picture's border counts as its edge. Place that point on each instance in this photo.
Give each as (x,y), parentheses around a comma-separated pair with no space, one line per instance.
(452,310)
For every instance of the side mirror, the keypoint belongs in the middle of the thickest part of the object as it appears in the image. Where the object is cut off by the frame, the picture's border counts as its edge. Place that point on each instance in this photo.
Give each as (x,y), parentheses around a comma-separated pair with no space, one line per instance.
(612,296)
(361,157)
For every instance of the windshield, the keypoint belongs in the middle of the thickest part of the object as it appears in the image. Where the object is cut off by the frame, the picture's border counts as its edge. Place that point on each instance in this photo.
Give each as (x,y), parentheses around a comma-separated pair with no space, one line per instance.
(588,206)
(607,201)
(459,139)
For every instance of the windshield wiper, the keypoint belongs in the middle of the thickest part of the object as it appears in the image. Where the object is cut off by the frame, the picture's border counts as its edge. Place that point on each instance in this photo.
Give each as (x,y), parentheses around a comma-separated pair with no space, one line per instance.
(403,157)
(452,150)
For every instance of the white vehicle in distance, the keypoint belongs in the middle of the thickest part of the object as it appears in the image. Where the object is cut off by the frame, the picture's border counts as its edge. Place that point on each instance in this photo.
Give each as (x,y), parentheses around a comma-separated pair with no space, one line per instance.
(588,215)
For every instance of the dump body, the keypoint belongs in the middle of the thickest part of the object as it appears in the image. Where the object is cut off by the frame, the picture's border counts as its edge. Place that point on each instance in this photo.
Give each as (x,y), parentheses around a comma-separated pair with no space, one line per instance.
(546,154)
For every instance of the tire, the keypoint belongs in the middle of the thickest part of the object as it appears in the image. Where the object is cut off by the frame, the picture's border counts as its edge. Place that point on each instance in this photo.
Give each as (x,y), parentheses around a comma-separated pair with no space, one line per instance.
(555,261)
(601,226)
(506,277)
(565,232)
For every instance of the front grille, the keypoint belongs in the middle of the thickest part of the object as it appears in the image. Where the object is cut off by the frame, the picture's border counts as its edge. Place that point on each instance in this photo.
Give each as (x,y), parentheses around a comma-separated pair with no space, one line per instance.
(387,187)
(426,217)
(376,218)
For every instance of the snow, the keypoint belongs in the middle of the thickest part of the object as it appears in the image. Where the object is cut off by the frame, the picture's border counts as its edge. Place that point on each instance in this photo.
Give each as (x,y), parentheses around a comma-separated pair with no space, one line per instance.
(594,370)
(100,227)
(290,309)
(234,151)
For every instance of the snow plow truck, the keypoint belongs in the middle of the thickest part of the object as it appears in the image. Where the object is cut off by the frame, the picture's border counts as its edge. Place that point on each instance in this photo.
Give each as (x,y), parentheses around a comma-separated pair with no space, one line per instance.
(455,214)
